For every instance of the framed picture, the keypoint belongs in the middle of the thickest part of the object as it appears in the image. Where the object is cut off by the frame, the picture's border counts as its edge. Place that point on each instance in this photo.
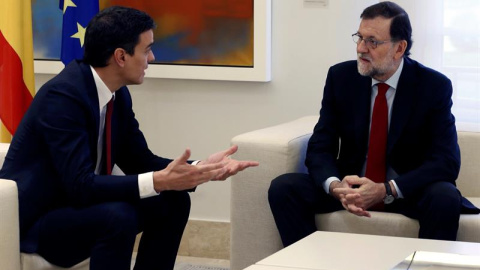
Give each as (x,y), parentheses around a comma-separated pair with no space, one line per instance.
(209,40)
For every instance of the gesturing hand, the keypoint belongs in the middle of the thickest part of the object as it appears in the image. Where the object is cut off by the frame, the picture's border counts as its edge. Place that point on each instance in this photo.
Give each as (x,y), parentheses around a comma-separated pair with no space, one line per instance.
(179,175)
(231,166)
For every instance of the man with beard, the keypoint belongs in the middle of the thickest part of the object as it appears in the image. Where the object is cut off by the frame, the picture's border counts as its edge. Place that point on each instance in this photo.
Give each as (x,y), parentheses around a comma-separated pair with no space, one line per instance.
(385,140)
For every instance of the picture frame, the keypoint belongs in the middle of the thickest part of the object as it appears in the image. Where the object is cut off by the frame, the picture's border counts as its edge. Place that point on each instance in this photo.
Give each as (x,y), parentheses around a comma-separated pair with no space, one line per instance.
(260,72)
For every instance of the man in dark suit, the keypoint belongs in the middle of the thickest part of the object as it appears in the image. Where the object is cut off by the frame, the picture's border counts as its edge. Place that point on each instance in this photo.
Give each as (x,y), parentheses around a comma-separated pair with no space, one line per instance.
(62,154)
(399,154)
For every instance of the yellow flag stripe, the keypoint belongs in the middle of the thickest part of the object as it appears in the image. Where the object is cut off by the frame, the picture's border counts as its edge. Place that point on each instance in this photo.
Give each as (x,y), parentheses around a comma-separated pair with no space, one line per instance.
(16,26)
(5,136)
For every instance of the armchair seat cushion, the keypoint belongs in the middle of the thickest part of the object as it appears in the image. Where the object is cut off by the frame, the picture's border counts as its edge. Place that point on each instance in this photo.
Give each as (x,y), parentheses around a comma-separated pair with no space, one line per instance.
(36,262)
(391,224)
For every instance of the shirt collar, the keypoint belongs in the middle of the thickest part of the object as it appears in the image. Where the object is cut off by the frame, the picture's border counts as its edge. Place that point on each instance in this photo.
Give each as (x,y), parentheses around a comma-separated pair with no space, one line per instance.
(104,94)
(393,80)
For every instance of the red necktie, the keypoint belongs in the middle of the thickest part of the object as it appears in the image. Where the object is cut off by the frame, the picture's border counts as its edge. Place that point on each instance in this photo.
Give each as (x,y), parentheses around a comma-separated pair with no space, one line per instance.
(108,136)
(377,146)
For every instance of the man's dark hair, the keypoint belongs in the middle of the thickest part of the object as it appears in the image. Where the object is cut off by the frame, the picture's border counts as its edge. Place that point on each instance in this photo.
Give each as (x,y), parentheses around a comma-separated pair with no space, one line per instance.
(112,28)
(400,29)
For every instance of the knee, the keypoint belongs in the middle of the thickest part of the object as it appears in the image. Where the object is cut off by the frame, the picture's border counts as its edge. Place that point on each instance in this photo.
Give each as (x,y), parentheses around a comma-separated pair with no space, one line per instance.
(442,196)
(281,186)
(278,186)
(119,218)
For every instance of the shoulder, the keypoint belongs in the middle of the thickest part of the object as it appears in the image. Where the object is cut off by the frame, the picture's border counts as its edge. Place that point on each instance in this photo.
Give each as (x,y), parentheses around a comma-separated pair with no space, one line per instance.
(347,66)
(344,71)
(75,79)
(73,87)
(424,74)
(427,84)
(345,75)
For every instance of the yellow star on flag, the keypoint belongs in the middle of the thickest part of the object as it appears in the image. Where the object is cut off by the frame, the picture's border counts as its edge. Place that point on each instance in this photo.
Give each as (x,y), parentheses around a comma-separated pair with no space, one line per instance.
(68,3)
(80,34)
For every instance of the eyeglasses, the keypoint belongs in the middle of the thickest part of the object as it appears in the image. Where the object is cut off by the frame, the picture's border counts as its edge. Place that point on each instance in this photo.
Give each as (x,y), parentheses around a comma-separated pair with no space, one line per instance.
(369,42)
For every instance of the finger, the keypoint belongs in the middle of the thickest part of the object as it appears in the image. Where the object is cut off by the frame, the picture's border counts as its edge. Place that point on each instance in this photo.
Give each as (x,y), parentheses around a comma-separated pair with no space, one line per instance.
(230,151)
(352,195)
(350,177)
(362,213)
(209,167)
(234,166)
(246,164)
(366,214)
(354,181)
(354,209)
(237,166)
(353,199)
(345,190)
(184,157)
(344,204)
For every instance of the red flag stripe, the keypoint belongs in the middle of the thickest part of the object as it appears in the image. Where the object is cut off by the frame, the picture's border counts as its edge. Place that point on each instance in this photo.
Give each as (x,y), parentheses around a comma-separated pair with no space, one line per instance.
(14,94)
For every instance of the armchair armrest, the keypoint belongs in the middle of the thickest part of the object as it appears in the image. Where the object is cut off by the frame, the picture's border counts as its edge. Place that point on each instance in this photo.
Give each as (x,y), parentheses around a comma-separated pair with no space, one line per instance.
(467,181)
(279,149)
(9,227)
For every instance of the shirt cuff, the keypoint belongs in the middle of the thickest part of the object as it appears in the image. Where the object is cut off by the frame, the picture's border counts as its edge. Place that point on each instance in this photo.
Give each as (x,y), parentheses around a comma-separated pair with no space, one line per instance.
(399,192)
(145,185)
(326,184)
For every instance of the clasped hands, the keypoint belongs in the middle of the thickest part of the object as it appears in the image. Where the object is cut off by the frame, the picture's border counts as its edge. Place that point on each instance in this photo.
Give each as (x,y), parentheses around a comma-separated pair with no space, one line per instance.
(357,200)
(179,175)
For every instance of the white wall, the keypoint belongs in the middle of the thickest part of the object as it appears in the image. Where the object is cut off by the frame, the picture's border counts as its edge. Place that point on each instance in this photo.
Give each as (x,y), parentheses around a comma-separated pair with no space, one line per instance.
(205,115)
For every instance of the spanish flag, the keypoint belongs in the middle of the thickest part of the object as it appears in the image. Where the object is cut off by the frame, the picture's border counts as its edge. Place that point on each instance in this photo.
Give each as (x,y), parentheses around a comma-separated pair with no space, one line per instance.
(16,64)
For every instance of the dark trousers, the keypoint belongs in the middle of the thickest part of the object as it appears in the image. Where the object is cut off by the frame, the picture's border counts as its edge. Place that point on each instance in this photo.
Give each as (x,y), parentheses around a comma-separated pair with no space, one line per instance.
(106,233)
(294,200)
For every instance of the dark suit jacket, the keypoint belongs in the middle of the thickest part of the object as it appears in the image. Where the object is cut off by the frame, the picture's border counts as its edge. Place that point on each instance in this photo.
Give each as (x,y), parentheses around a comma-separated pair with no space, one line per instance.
(53,154)
(422,143)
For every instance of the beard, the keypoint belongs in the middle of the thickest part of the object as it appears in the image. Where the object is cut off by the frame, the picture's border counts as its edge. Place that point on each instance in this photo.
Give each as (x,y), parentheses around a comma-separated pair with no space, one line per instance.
(373,70)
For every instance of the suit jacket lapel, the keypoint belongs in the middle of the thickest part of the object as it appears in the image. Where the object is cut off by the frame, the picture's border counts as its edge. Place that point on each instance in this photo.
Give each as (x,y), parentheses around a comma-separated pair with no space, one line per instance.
(92,94)
(114,130)
(405,100)
(92,97)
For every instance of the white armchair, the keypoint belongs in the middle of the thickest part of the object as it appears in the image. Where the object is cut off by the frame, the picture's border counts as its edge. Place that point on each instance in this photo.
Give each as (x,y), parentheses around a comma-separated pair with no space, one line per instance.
(281,149)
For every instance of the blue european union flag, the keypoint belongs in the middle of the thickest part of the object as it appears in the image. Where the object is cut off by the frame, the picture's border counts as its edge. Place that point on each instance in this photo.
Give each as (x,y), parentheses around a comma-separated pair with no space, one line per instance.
(76,15)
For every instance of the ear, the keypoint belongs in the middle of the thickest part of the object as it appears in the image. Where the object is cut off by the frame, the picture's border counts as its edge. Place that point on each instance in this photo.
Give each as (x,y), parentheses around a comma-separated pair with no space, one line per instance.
(401,47)
(119,57)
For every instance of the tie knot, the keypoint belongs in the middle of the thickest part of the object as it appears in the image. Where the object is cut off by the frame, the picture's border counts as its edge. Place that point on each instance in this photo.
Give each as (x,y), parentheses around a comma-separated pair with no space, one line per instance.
(110,103)
(382,88)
